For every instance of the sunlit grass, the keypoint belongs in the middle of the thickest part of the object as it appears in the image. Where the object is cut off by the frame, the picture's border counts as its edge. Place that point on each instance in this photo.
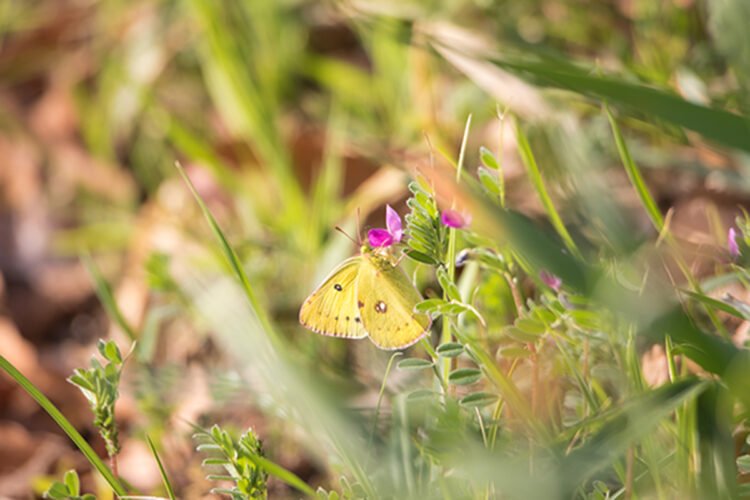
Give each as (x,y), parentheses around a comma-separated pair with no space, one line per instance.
(526,388)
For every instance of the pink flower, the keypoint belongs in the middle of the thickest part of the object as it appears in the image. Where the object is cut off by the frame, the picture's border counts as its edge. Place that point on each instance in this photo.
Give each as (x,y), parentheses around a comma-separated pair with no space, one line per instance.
(379,237)
(454,219)
(550,280)
(734,249)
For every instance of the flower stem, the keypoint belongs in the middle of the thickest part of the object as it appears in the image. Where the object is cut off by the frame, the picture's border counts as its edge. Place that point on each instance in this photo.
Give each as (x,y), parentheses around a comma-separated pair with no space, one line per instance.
(450,258)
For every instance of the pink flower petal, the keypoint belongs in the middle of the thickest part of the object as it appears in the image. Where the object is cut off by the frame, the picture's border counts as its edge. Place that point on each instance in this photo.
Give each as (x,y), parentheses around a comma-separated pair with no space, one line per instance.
(379,237)
(393,223)
(550,280)
(452,218)
(734,248)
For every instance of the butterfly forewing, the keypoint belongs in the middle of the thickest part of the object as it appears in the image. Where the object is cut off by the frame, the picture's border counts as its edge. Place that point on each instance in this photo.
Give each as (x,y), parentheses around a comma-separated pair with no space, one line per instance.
(332,308)
(386,300)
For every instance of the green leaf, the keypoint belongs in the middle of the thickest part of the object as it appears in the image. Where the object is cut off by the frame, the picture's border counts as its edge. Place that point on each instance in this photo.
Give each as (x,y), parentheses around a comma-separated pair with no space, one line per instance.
(588,320)
(414,364)
(214,461)
(478,399)
(447,285)
(735,307)
(420,257)
(71,481)
(488,158)
(490,181)
(80,381)
(429,305)
(464,376)
(544,315)
(450,349)
(531,326)
(420,394)
(110,351)
(58,491)
(517,334)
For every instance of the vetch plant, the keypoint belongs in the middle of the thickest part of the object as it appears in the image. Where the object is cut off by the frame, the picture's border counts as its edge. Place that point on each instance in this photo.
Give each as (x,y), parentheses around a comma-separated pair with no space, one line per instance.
(100,385)
(239,458)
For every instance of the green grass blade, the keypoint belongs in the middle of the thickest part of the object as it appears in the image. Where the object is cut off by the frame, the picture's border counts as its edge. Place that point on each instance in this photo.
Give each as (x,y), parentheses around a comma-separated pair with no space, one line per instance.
(717,478)
(104,292)
(634,174)
(231,256)
(162,471)
(632,424)
(535,175)
(64,424)
(281,473)
(718,125)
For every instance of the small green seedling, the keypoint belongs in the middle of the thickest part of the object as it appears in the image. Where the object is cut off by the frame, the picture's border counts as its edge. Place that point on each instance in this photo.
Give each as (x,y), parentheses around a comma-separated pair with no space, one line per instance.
(69,489)
(100,386)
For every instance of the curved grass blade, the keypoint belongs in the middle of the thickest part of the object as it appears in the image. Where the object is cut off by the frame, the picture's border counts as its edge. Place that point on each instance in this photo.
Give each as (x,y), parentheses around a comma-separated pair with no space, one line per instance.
(230,255)
(634,174)
(104,292)
(535,175)
(281,473)
(718,125)
(632,424)
(64,424)
(164,478)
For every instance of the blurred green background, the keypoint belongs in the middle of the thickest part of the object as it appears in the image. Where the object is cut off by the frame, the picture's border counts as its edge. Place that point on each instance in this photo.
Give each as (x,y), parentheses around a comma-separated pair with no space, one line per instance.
(292,117)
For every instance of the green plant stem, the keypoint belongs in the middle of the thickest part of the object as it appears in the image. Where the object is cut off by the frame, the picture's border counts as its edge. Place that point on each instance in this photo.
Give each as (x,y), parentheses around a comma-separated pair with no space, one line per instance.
(450,258)
(380,397)
(64,424)
(162,471)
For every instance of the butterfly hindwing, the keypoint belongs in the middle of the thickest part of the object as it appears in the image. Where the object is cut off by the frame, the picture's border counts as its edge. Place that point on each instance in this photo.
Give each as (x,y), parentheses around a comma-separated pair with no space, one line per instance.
(332,308)
(386,300)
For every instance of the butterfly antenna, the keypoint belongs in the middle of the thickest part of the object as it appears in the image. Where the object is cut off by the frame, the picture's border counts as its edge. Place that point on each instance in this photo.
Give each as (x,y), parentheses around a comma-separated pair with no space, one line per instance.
(338,228)
(359,226)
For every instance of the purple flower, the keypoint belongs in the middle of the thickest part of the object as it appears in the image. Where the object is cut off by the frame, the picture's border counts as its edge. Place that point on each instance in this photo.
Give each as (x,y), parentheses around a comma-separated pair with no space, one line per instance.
(734,248)
(380,237)
(454,219)
(550,280)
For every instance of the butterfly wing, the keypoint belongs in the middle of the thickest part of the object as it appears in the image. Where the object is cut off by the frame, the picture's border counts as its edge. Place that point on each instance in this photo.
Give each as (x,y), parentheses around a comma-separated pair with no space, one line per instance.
(332,308)
(386,300)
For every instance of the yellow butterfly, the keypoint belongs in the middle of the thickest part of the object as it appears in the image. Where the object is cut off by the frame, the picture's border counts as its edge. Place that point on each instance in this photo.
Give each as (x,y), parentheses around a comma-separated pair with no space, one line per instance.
(369,295)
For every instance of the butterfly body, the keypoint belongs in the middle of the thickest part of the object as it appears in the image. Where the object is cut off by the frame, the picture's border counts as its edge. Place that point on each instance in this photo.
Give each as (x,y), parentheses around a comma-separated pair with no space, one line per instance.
(367,295)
